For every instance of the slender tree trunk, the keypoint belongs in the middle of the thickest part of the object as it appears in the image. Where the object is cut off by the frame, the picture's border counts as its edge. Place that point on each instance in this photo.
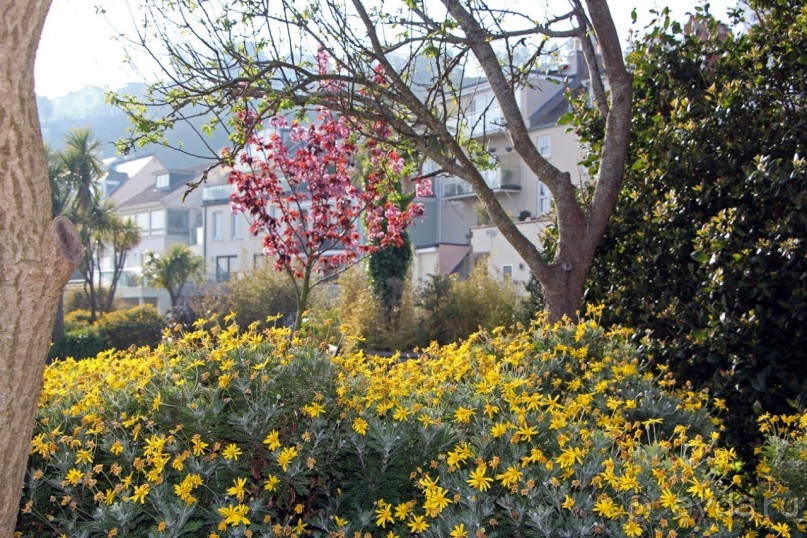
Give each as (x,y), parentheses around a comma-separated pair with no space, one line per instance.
(174,296)
(37,255)
(302,300)
(58,324)
(580,229)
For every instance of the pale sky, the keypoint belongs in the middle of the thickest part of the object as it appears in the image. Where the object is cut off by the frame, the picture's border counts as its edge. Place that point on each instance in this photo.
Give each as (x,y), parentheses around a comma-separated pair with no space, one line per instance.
(78,46)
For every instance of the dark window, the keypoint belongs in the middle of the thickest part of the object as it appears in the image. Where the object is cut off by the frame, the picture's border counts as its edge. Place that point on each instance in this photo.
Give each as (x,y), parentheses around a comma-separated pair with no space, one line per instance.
(225,267)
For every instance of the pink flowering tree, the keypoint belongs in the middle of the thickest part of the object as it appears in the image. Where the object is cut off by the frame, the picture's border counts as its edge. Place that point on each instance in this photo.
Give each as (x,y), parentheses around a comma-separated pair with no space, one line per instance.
(306,199)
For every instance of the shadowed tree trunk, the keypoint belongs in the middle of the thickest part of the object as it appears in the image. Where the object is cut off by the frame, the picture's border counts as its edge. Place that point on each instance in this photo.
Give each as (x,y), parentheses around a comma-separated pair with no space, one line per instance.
(58,324)
(37,256)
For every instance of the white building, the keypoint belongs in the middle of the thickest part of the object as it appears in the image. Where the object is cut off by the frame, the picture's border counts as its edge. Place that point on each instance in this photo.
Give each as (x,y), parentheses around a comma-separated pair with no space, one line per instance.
(455,234)
(149,194)
(224,239)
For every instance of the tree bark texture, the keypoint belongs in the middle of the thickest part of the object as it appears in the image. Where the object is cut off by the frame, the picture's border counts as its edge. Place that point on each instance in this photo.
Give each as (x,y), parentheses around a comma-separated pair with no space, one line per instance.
(37,255)
(580,229)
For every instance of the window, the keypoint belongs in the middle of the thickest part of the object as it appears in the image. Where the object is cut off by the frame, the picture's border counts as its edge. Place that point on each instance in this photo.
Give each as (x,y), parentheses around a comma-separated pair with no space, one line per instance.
(151,222)
(285,136)
(178,221)
(235,225)
(544,199)
(544,147)
(163,181)
(216,224)
(225,267)
(142,220)
(507,272)
(157,222)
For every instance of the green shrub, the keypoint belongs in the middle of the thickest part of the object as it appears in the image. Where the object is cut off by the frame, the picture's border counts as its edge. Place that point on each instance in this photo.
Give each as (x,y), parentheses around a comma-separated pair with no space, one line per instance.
(452,309)
(706,250)
(77,319)
(255,296)
(559,430)
(483,301)
(78,343)
(437,312)
(782,469)
(363,315)
(262,293)
(75,299)
(208,301)
(443,309)
(138,326)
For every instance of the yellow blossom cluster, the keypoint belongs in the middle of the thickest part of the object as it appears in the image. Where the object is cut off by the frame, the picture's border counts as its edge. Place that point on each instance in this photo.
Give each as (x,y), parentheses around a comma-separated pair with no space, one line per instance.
(225,431)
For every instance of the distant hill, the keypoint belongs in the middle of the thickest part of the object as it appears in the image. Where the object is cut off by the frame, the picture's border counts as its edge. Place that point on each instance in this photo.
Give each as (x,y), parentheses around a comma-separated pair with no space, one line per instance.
(87,108)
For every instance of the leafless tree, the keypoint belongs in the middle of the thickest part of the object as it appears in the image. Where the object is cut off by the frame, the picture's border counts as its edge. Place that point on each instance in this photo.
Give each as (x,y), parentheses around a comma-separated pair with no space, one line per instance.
(405,65)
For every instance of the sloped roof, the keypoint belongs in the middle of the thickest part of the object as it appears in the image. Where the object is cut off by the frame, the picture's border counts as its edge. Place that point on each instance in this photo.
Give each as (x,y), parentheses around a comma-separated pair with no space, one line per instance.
(549,112)
(121,171)
(131,167)
(177,180)
(556,106)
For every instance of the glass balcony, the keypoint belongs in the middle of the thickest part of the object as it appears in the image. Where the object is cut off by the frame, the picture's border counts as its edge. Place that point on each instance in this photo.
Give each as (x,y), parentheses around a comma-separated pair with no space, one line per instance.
(504,179)
(454,187)
(129,278)
(487,122)
(217,193)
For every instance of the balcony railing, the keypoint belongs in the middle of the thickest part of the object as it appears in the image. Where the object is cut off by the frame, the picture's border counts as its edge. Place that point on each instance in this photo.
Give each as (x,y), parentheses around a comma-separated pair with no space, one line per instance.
(129,278)
(454,186)
(485,122)
(506,178)
(500,179)
(217,193)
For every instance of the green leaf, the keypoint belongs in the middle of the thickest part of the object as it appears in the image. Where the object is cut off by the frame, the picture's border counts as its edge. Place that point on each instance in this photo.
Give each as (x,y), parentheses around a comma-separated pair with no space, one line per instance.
(699,256)
(759,383)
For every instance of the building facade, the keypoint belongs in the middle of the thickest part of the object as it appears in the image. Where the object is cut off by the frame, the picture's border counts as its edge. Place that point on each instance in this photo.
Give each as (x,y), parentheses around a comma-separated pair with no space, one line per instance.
(454,235)
(457,233)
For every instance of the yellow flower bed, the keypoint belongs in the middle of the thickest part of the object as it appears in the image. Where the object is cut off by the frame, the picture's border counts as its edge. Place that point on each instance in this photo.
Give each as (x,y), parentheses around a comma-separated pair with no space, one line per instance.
(552,430)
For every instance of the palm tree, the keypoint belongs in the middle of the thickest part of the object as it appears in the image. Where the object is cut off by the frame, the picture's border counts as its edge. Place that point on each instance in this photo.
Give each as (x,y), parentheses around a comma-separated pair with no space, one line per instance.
(60,187)
(60,195)
(83,166)
(172,270)
(94,223)
(122,236)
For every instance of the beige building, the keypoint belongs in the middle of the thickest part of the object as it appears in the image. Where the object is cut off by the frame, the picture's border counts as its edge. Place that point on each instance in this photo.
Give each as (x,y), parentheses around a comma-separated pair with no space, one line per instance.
(455,234)
(452,237)
(126,178)
(164,220)
(223,238)
(146,192)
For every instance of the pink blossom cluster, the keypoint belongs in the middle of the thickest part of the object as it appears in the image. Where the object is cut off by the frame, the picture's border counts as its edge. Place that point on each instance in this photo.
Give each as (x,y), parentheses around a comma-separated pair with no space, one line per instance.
(307,202)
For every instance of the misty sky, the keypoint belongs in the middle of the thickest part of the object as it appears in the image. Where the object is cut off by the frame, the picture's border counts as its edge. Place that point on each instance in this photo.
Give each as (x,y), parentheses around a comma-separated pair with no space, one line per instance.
(78,45)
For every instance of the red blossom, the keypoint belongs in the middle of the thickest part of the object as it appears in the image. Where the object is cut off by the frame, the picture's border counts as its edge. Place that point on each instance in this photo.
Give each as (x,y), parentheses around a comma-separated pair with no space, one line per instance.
(305,199)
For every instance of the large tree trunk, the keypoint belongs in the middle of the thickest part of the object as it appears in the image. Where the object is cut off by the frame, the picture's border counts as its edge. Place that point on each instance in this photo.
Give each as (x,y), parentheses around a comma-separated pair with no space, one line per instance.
(563,290)
(580,228)
(36,256)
